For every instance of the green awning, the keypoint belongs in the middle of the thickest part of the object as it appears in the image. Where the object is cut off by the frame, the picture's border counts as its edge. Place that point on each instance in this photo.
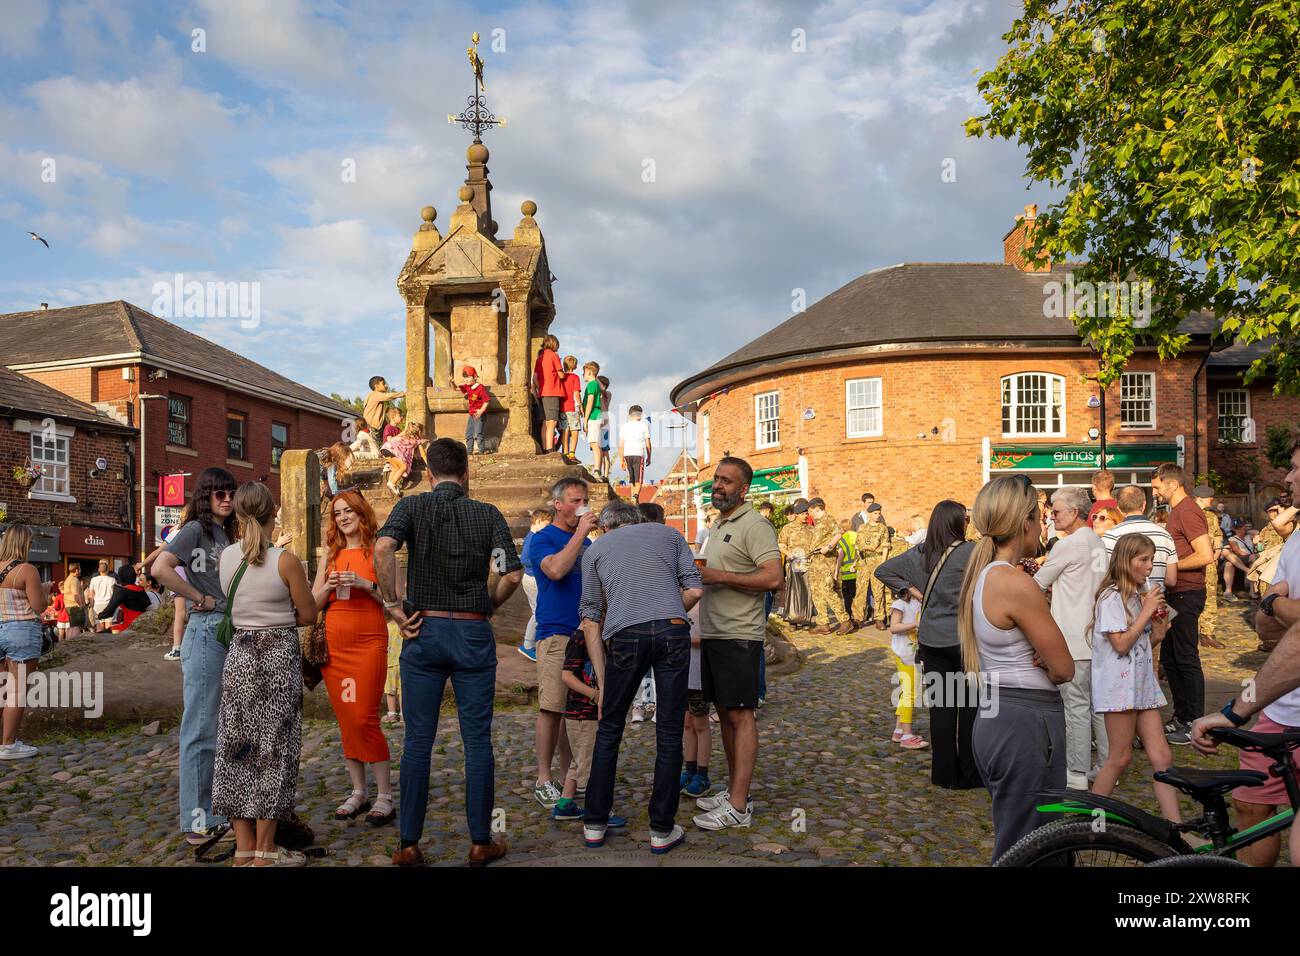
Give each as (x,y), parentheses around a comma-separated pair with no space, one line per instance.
(1081,457)
(780,480)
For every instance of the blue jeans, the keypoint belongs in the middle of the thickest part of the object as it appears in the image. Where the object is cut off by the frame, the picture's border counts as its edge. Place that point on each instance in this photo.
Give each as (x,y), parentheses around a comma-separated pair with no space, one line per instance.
(630,654)
(202,661)
(466,652)
(473,432)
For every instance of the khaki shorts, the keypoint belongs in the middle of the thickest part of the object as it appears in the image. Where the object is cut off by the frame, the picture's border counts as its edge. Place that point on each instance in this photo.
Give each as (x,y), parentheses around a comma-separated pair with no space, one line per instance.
(582,744)
(552,695)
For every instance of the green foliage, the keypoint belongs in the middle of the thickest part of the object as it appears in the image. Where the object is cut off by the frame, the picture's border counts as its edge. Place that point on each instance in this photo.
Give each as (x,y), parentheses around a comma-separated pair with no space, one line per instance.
(357,403)
(1173,129)
(780,515)
(1278,443)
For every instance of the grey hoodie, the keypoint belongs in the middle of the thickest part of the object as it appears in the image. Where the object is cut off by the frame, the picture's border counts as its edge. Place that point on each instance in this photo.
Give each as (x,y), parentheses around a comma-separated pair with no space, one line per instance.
(939,620)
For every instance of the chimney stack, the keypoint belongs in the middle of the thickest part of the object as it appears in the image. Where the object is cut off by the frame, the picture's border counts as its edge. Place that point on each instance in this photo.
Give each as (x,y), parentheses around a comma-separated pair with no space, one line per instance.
(1015,242)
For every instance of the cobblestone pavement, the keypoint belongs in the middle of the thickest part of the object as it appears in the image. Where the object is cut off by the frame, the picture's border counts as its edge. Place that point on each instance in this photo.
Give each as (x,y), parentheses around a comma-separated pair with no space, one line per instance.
(830,788)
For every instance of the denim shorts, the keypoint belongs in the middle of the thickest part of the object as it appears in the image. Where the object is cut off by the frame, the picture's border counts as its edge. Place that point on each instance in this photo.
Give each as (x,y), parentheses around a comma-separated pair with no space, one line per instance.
(20,640)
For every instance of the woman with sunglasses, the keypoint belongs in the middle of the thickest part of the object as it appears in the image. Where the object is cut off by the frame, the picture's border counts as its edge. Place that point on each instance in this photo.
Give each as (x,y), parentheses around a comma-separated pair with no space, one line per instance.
(357,636)
(196,546)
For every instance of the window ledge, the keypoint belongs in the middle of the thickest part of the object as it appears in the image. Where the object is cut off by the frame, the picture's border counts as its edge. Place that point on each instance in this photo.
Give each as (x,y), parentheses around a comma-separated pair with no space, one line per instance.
(182,450)
(240,463)
(880,437)
(51,496)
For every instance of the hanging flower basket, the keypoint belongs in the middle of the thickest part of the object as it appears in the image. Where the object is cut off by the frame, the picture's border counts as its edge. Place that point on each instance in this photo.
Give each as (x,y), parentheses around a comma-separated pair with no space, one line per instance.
(26,474)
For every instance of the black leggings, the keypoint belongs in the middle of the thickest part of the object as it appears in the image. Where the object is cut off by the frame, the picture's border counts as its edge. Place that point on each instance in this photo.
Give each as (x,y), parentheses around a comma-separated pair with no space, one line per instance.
(952,756)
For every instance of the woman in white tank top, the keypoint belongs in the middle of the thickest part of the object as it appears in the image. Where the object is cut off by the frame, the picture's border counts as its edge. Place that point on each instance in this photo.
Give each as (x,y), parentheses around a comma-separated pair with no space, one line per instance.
(1010,641)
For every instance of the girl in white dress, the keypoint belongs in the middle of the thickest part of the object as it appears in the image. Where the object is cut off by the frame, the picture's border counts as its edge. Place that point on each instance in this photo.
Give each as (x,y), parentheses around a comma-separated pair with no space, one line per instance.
(1128,620)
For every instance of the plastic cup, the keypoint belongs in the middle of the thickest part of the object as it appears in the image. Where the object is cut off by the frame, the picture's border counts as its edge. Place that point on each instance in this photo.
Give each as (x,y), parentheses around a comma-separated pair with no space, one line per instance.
(701,561)
(343,592)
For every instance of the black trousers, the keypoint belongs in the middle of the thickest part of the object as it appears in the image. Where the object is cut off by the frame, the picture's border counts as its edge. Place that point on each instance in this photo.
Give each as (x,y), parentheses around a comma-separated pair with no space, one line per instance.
(1180,655)
(849,589)
(952,718)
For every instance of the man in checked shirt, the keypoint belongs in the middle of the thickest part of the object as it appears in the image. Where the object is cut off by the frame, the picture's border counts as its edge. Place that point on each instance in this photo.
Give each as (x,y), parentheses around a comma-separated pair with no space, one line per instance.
(452,543)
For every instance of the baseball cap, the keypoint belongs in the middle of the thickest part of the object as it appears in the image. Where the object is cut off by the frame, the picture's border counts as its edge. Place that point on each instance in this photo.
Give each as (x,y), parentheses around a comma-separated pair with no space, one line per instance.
(468,370)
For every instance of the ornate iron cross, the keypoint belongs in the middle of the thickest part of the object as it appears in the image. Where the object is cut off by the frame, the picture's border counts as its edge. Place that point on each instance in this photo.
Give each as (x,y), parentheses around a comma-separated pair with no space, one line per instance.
(476,116)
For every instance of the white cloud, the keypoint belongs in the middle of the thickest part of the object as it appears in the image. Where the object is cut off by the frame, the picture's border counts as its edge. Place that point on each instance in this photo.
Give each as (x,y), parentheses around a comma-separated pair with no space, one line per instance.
(20,26)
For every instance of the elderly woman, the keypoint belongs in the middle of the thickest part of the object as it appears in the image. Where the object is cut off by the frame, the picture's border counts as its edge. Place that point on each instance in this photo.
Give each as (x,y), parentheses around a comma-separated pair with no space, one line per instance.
(259,730)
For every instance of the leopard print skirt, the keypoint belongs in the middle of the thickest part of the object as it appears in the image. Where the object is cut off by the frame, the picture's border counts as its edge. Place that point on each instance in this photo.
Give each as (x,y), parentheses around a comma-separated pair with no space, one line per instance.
(259,726)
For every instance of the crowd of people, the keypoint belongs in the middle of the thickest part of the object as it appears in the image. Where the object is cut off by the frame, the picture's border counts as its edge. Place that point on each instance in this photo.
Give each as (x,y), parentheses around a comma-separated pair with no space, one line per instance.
(1039,633)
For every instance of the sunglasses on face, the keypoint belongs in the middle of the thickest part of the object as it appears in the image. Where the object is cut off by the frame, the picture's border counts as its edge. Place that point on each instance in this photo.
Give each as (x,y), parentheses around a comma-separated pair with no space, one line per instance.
(224,495)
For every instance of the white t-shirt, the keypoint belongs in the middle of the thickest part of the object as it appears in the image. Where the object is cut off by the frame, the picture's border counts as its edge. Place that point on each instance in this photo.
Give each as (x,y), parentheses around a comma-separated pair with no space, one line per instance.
(101,590)
(904,644)
(1286,709)
(1074,570)
(1166,554)
(635,435)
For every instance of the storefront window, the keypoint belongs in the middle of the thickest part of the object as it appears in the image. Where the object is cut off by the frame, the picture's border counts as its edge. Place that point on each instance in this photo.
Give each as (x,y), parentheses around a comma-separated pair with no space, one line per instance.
(279,442)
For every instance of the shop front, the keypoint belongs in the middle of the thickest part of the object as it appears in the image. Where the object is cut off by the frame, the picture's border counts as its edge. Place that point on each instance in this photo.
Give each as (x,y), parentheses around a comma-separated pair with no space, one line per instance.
(44,553)
(89,546)
(1059,466)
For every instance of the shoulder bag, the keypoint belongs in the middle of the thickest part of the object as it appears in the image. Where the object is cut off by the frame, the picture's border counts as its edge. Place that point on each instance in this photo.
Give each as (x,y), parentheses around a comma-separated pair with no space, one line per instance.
(934,576)
(226,629)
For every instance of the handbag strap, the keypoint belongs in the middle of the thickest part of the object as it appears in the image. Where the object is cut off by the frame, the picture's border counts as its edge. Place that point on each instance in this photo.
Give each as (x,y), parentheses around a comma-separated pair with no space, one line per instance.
(230,598)
(934,576)
(12,564)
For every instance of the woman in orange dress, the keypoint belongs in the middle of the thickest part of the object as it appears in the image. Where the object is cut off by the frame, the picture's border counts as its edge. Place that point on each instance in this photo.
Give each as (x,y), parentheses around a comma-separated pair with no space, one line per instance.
(357,635)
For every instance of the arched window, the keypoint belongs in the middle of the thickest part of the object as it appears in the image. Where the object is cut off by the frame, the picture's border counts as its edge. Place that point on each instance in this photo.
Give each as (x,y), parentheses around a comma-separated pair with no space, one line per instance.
(1033,405)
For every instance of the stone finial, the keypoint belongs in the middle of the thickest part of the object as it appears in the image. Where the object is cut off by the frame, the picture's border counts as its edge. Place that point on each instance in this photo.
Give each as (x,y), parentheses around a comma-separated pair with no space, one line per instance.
(466,193)
(427,236)
(527,230)
(477,153)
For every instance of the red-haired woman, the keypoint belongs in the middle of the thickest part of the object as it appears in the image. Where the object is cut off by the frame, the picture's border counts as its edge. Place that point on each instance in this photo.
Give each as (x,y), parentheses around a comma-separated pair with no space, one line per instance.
(357,636)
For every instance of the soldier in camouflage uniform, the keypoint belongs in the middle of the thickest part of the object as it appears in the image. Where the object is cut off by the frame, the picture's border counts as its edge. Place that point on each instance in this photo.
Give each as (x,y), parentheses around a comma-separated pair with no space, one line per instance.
(873,548)
(793,542)
(1204,495)
(1269,536)
(824,569)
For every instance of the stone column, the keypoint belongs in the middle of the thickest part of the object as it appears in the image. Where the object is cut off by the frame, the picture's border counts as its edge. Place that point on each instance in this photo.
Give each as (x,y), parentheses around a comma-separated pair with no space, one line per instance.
(417,357)
(300,504)
(518,439)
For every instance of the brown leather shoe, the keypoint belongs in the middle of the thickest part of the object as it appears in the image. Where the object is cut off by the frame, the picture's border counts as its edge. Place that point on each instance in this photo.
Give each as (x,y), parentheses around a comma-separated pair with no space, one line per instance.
(481,854)
(820,629)
(411,856)
(846,628)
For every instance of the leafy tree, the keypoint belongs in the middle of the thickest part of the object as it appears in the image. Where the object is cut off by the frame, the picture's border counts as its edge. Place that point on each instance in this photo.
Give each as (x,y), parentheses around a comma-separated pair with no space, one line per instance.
(356,403)
(1278,443)
(1173,129)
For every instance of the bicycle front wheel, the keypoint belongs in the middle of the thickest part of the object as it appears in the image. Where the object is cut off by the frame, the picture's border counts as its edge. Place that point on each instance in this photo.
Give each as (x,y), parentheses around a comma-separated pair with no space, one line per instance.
(1198,859)
(1077,843)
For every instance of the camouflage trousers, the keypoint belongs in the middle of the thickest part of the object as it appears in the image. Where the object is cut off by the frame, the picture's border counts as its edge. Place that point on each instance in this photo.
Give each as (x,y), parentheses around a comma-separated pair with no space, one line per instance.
(1206,623)
(867,583)
(823,571)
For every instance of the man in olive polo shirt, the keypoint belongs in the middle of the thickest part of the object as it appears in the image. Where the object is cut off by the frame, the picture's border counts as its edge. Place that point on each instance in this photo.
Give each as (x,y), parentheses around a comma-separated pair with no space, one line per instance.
(743,562)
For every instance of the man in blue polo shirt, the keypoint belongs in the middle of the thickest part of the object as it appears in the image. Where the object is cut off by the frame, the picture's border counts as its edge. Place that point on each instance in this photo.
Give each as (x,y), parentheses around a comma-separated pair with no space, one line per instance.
(556,552)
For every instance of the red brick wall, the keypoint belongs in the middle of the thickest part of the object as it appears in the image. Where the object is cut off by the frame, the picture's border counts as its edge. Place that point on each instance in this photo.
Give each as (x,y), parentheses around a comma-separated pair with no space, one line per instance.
(908,473)
(100,501)
(209,404)
(1266,409)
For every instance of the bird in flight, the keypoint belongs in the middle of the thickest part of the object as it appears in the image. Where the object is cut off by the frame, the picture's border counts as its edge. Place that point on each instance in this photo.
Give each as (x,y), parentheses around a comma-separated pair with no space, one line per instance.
(36,238)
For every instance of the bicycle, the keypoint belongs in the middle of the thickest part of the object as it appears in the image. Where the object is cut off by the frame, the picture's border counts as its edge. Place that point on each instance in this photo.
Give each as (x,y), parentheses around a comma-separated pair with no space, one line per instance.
(1118,834)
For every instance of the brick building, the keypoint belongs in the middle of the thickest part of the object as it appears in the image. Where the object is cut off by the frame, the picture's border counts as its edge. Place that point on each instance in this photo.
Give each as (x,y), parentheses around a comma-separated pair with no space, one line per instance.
(919,381)
(213,406)
(78,505)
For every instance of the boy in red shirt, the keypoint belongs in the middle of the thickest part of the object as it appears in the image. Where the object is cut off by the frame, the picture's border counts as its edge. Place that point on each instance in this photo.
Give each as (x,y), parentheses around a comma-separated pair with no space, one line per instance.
(478,402)
(570,416)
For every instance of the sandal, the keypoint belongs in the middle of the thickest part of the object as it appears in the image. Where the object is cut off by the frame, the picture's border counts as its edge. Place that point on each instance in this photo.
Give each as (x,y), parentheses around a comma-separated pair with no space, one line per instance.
(897,735)
(913,742)
(391,718)
(351,808)
(244,855)
(383,811)
(279,857)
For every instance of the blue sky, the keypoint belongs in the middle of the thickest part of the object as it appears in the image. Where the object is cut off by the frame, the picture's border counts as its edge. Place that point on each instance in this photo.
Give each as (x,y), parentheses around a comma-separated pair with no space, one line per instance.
(775,169)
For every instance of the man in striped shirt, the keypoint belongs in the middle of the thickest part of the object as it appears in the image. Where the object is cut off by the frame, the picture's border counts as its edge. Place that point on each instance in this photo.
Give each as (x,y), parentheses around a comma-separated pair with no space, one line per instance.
(638,582)
(1133,506)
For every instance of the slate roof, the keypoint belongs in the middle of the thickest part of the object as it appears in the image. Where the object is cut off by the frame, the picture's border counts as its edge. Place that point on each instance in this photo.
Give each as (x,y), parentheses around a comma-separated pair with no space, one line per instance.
(118,327)
(918,303)
(21,394)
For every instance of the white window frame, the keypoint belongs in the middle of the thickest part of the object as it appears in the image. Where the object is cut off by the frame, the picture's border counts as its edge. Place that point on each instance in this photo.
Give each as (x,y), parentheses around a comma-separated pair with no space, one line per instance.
(878,407)
(774,421)
(1150,378)
(705,453)
(63,435)
(1218,409)
(1055,386)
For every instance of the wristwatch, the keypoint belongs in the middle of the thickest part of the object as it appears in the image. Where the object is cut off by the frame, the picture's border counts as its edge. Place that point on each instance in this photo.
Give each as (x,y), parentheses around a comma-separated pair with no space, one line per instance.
(1266,605)
(1237,719)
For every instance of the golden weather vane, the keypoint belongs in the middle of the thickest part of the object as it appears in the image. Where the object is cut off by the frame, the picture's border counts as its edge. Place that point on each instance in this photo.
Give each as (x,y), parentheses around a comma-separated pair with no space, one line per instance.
(476,117)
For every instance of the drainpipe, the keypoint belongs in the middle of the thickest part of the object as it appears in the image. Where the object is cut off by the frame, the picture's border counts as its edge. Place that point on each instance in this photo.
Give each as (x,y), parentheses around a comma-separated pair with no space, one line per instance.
(1196,416)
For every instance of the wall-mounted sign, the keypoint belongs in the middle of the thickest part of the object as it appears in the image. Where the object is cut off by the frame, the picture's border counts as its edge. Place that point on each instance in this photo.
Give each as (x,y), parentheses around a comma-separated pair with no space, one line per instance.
(1094,401)
(99,542)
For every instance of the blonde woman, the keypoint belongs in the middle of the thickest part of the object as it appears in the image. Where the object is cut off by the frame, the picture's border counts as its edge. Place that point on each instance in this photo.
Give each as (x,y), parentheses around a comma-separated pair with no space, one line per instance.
(74,599)
(259,727)
(1009,640)
(22,602)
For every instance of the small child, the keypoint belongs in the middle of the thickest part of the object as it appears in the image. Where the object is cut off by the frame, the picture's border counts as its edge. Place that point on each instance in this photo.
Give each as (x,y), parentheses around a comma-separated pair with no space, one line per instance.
(1128,621)
(697,735)
(393,679)
(478,402)
(902,625)
(540,519)
(581,719)
(392,425)
(592,406)
(364,444)
(379,396)
(400,452)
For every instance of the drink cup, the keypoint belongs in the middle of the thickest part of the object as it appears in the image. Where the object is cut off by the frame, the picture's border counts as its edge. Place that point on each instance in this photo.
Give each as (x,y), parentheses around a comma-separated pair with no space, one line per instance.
(343,592)
(701,561)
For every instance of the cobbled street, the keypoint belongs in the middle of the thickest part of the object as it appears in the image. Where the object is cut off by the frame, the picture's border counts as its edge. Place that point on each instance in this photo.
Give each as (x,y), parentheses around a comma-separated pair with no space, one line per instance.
(830,788)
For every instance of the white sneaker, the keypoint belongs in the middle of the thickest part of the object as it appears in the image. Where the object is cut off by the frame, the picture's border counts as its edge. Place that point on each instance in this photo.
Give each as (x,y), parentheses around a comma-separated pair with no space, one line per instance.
(723,818)
(17,751)
(547,794)
(662,843)
(719,800)
(638,714)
